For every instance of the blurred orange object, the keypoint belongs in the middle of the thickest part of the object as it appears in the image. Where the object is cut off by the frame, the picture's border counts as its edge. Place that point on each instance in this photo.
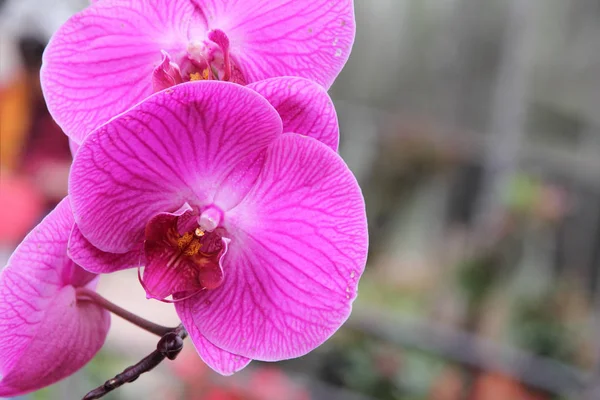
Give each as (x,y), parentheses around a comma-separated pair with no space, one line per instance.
(494,386)
(448,385)
(270,383)
(15,120)
(31,143)
(21,206)
(190,368)
(217,393)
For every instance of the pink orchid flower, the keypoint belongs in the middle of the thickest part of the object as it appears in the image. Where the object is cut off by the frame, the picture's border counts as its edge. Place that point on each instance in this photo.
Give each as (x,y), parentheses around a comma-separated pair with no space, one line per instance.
(303,106)
(116,53)
(46,333)
(258,235)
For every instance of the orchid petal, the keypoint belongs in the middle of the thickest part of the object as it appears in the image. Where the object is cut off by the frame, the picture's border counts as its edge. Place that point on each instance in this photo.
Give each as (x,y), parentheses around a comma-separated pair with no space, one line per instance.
(303,106)
(83,253)
(100,62)
(46,334)
(177,146)
(268,38)
(223,362)
(299,245)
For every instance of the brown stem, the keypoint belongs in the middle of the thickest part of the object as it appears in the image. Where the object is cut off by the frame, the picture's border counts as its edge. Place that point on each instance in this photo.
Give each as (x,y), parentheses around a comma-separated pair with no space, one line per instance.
(169,346)
(84,294)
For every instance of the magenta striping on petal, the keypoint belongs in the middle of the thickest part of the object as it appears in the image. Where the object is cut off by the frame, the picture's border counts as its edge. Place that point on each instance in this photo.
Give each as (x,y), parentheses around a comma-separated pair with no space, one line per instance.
(82,252)
(178,145)
(307,38)
(289,205)
(298,247)
(46,334)
(222,361)
(100,63)
(110,56)
(304,107)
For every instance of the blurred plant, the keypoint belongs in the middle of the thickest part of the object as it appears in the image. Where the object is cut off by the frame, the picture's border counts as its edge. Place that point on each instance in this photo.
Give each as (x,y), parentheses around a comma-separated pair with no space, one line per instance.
(408,153)
(364,365)
(537,326)
(536,200)
(478,275)
(522,194)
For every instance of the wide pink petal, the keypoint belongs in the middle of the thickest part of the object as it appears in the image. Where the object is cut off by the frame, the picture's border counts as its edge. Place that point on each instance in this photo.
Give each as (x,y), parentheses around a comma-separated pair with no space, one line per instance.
(223,362)
(100,62)
(45,333)
(82,252)
(69,335)
(178,146)
(268,38)
(299,245)
(304,107)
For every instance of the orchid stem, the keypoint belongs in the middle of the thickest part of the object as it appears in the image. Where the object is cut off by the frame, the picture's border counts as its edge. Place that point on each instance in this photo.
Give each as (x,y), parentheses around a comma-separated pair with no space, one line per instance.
(169,346)
(85,294)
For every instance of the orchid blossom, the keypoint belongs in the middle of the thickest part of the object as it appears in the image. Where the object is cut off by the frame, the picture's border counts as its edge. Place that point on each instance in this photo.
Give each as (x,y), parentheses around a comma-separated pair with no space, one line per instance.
(46,332)
(303,106)
(256,233)
(116,53)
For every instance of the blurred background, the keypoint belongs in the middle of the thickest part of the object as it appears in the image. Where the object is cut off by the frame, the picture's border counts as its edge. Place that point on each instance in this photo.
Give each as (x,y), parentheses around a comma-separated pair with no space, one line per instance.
(474,129)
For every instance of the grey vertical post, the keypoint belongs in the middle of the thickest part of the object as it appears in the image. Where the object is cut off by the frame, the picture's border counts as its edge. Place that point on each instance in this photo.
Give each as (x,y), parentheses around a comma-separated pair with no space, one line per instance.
(509,110)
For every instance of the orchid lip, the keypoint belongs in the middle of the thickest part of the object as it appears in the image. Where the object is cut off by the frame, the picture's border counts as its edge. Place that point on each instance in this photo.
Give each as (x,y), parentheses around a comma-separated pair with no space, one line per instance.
(149,294)
(183,258)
